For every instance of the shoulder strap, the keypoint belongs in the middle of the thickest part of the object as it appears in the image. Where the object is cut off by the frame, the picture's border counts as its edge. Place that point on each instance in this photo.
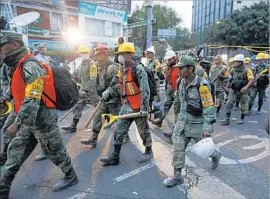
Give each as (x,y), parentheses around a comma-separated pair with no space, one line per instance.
(134,74)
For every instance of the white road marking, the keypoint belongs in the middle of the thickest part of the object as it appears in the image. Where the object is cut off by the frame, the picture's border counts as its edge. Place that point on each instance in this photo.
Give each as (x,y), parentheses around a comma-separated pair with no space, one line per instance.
(134,172)
(80,195)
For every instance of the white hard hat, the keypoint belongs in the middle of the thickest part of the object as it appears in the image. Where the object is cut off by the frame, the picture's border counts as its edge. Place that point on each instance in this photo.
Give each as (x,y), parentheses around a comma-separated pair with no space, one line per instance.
(169,54)
(151,50)
(239,57)
(204,148)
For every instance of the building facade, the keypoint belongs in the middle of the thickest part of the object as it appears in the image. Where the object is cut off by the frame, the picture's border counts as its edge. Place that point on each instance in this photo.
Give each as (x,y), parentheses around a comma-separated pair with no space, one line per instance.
(207,12)
(97,23)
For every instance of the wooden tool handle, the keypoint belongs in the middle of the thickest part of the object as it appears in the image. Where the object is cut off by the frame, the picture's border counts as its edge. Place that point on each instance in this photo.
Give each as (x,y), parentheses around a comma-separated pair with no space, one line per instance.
(66,114)
(93,115)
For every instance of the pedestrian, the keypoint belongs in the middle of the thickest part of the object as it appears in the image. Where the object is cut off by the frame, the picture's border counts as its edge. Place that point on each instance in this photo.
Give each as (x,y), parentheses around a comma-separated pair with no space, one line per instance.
(35,121)
(110,94)
(42,57)
(241,80)
(195,119)
(260,84)
(135,98)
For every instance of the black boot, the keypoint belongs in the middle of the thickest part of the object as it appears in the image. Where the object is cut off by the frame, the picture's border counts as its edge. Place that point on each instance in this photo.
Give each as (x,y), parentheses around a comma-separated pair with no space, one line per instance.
(147,155)
(92,141)
(259,109)
(175,180)
(215,159)
(113,159)
(69,180)
(226,121)
(73,127)
(241,121)
(168,134)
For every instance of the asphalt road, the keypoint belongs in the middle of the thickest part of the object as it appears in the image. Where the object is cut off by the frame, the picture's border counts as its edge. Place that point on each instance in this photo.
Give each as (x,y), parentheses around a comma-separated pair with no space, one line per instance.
(242,174)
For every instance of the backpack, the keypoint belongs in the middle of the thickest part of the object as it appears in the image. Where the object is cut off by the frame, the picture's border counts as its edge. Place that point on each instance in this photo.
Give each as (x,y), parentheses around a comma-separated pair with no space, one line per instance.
(198,84)
(67,93)
(151,82)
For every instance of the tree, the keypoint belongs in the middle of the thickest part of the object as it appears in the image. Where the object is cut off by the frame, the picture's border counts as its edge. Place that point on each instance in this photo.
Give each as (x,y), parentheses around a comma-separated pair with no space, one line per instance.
(247,26)
(167,18)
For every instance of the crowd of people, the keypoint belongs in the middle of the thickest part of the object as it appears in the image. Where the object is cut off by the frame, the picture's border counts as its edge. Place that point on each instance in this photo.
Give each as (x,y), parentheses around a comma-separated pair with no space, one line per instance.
(121,87)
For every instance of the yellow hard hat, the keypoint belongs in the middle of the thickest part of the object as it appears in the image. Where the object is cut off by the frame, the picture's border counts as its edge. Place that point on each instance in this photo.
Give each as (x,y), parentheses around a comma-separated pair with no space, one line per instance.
(126,47)
(247,60)
(8,109)
(266,56)
(84,49)
(231,60)
(260,56)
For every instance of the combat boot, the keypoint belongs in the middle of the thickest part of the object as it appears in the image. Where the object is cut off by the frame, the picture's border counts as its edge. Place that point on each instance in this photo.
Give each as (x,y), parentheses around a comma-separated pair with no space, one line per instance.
(227,120)
(92,141)
(147,155)
(215,159)
(241,121)
(168,134)
(157,122)
(113,159)
(40,156)
(248,113)
(69,180)
(175,180)
(72,128)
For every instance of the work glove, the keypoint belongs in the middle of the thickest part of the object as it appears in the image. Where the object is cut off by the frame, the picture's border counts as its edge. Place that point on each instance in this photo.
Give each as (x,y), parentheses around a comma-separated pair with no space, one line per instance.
(106,95)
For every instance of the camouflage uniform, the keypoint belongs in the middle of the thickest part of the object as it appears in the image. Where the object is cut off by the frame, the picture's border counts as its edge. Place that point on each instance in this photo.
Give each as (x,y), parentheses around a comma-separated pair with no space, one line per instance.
(190,125)
(122,125)
(257,88)
(96,86)
(36,124)
(239,76)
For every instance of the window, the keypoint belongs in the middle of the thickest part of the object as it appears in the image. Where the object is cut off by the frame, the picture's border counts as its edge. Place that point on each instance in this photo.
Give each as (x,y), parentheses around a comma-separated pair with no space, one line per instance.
(116,29)
(3,11)
(56,21)
(95,27)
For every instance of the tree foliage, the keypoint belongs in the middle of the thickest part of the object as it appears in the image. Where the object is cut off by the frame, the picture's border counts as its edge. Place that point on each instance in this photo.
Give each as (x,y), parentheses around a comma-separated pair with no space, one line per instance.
(166,18)
(247,26)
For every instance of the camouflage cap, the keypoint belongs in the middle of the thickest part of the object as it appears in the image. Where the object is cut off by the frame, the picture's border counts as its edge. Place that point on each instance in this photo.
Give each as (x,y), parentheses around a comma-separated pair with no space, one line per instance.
(6,36)
(186,61)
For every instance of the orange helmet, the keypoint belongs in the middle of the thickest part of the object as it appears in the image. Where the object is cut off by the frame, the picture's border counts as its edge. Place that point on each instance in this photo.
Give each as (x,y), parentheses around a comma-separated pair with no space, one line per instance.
(102,48)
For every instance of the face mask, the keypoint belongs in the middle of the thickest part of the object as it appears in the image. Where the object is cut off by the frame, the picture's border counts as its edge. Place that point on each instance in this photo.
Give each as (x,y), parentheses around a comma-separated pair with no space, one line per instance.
(121,59)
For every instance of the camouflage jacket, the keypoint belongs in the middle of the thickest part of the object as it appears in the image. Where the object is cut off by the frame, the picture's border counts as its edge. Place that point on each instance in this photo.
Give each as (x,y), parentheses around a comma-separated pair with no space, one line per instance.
(31,71)
(218,73)
(5,82)
(101,75)
(189,95)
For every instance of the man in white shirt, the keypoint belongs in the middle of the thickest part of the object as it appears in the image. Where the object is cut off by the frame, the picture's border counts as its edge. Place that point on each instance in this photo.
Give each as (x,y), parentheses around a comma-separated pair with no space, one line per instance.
(42,57)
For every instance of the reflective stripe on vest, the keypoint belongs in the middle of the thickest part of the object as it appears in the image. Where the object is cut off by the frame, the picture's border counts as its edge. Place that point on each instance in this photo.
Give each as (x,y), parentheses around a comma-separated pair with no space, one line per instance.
(171,77)
(18,86)
(133,93)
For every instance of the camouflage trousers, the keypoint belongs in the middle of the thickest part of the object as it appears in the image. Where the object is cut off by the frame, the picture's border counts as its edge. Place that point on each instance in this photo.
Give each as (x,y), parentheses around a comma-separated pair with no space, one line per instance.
(122,127)
(7,139)
(252,94)
(244,99)
(220,95)
(180,142)
(47,133)
(169,102)
(104,108)
(78,108)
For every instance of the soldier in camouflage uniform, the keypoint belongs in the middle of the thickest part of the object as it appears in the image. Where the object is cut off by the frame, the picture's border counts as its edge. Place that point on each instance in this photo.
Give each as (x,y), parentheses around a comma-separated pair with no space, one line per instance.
(241,79)
(195,120)
(135,98)
(262,80)
(218,74)
(99,85)
(34,122)
(171,79)
(85,77)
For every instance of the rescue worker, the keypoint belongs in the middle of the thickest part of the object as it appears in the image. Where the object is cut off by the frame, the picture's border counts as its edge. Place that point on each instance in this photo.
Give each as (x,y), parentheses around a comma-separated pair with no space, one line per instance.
(260,84)
(84,69)
(36,119)
(241,79)
(103,73)
(195,119)
(218,74)
(172,75)
(135,97)
(247,62)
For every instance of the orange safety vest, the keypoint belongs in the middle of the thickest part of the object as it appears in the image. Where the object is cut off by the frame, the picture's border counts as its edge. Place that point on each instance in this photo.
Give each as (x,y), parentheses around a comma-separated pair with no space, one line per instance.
(171,77)
(133,92)
(18,86)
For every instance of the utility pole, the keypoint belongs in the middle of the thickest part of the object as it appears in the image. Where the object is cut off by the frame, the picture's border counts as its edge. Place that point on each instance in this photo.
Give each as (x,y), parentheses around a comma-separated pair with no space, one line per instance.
(149,5)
